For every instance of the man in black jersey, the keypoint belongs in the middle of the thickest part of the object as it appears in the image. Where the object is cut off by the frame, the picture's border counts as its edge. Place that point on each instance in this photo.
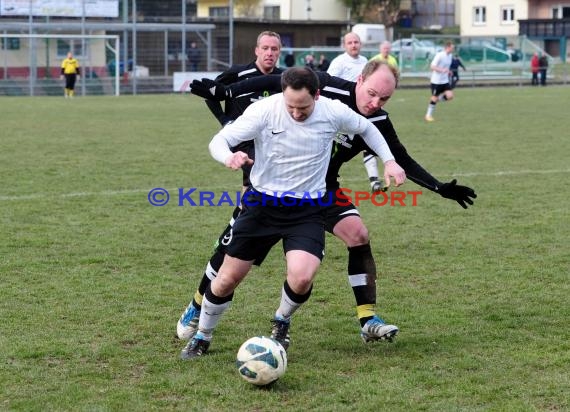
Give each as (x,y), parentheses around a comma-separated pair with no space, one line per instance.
(267,51)
(372,90)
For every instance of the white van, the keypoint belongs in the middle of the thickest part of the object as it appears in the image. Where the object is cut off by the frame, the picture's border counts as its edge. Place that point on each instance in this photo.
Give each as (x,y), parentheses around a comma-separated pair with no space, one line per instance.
(370,34)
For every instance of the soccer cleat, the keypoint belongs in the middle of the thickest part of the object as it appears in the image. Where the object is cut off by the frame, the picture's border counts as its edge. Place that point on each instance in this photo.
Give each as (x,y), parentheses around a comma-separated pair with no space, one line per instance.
(376,329)
(429,118)
(195,348)
(378,186)
(187,326)
(280,332)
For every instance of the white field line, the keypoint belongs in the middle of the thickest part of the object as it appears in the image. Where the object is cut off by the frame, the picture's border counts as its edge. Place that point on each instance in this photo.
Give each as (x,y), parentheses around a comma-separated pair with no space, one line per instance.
(175,190)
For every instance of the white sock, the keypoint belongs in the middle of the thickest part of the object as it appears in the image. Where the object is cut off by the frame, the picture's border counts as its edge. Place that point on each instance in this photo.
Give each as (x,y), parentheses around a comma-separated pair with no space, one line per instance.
(371,166)
(210,316)
(287,306)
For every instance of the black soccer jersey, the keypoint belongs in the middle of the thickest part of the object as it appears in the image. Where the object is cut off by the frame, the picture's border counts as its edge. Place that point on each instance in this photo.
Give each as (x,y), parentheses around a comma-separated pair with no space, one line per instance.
(347,147)
(234,107)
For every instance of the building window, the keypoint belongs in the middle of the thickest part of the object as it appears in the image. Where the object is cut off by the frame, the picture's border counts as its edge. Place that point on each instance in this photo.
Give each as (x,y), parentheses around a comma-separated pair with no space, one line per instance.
(272,12)
(65,46)
(507,15)
(479,15)
(219,12)
(10,43)
(561,12)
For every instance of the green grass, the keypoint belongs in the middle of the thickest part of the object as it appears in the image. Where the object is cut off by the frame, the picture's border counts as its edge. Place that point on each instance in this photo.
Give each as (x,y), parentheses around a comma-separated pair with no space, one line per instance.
(93,278)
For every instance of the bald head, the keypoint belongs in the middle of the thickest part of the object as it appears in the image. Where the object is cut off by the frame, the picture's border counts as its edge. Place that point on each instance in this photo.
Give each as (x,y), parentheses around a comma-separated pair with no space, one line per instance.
(385,49)
(351,43)
(375,86)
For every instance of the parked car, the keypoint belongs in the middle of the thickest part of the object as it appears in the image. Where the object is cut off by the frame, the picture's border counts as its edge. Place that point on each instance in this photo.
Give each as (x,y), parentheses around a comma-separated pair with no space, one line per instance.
(482,49)
(409,48)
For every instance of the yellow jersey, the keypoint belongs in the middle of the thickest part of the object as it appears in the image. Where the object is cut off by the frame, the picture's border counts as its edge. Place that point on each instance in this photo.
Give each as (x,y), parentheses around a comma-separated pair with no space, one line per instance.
(391,60)
(70,66)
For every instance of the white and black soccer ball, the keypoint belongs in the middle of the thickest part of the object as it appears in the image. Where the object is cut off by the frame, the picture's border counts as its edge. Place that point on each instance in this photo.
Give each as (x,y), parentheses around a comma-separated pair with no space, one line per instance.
(261,360)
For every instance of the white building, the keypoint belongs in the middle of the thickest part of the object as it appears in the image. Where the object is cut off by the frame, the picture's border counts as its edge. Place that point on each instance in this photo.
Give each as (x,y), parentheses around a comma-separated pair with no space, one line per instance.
(492,17)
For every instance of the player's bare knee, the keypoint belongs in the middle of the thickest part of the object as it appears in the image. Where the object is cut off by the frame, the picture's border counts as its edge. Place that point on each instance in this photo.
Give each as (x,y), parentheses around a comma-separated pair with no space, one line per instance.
(358,236)
(225,283)
(300,282)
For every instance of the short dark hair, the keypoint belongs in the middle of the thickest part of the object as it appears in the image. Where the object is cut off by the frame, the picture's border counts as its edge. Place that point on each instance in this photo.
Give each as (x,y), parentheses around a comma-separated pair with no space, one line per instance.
(299,78)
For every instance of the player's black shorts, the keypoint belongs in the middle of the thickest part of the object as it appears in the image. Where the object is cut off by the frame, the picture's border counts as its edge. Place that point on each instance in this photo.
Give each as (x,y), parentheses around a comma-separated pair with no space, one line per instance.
(70,81)
(437,89)
(336,212)
(262,224)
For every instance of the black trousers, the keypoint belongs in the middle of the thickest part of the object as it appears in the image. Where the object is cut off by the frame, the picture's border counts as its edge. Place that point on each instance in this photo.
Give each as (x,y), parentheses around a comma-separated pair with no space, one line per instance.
(70,81)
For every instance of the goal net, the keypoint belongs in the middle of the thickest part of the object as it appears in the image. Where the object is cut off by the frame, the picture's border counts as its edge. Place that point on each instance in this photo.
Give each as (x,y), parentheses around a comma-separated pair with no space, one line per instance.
(30,64)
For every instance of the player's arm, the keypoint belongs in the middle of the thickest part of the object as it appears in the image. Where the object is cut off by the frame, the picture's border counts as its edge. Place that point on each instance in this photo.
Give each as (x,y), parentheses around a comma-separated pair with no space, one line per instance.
(417,174)
(434,65)
(217,91)
(354,123)
(215,106)
(374,139)
(271,83)
(218,112)
(243,129)
(328,80)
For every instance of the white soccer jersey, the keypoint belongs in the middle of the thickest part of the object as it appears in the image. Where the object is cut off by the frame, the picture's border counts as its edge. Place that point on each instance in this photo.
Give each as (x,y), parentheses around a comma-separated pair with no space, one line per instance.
(291,157)
(347,67)
(442,60)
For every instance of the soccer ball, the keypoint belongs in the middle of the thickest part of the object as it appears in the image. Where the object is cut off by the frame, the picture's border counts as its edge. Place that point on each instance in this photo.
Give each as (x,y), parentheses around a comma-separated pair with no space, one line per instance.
(261,360)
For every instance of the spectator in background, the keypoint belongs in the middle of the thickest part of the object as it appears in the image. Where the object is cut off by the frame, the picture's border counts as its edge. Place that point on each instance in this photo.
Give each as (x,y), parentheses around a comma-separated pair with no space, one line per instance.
(70,70)
(348,65)
(194,56)
(456,63)
(323,63)
(310,61)
(384,55)
(534,68)
(543,66)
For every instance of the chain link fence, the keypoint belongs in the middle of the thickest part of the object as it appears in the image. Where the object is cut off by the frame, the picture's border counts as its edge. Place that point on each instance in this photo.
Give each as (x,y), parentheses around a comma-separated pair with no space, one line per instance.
(155,40)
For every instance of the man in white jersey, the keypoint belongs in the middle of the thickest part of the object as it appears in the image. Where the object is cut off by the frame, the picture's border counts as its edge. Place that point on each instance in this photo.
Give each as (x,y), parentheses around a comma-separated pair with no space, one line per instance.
(348,65)
(293,134)
(440,87)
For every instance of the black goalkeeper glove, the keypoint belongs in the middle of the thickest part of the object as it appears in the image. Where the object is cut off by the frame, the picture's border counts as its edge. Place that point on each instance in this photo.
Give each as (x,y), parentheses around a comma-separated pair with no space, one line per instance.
(210,89)
(461,194)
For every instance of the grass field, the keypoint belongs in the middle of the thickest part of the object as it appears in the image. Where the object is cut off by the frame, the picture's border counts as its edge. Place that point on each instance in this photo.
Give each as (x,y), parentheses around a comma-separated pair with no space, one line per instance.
(93,278)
